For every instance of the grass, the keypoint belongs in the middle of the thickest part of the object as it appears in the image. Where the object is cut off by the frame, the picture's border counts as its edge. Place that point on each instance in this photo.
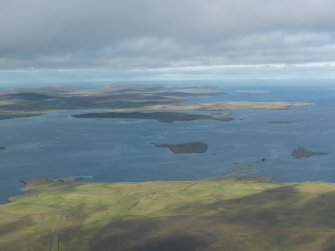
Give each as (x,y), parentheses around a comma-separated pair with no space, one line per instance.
(222,214)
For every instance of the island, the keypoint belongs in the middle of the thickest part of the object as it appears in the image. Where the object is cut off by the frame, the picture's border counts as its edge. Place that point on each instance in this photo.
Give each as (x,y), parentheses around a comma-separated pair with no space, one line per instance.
(254,91)
(233,213)
(219,106)
(168,117)
(300,153)
(192,147)
(2,148)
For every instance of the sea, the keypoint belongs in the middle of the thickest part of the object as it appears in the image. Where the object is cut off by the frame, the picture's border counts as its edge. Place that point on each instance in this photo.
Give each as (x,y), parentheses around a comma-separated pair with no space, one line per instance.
(57,145)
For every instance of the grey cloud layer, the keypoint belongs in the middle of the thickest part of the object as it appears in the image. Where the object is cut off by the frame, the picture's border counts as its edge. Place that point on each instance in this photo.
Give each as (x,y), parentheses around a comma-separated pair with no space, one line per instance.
(127,34)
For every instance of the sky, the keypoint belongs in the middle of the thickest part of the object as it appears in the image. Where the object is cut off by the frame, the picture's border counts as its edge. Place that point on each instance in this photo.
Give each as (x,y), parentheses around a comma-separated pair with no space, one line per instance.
(102,40)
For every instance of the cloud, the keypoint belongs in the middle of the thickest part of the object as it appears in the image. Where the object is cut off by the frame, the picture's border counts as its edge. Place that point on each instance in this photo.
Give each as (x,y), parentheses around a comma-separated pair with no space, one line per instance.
(149,34)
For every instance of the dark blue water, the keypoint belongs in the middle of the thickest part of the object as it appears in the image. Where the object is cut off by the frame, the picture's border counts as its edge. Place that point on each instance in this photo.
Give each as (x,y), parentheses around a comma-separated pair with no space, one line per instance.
(56,145)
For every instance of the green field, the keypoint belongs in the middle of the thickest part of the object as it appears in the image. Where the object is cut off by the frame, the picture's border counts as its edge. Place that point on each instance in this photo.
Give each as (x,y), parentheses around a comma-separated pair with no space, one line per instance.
(236,213)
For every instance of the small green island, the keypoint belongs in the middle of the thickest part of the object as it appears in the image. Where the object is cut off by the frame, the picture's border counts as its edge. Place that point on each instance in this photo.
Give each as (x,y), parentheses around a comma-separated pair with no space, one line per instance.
(192,147)
(235,213)
(300,153)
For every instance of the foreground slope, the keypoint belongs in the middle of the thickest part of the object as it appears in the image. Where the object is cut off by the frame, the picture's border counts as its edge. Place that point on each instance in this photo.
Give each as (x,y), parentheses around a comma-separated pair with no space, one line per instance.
(223,214)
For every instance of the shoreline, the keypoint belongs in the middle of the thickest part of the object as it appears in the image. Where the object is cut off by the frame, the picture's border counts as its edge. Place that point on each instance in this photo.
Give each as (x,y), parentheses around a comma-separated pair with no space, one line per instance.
(235,176)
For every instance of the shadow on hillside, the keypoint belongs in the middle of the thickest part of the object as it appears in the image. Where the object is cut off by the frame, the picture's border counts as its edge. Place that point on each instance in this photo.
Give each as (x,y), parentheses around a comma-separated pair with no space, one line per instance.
(273,218)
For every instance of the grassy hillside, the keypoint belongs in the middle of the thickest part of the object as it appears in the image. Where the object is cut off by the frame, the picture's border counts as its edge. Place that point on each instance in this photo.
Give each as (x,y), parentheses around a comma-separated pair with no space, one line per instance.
(223,214)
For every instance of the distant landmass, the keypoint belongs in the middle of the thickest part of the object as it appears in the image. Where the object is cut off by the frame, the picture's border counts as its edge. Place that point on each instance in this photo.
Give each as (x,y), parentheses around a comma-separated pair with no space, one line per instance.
(27,102)
(254,91)
(2,148)
(220,106)
(192,147)
(168,117)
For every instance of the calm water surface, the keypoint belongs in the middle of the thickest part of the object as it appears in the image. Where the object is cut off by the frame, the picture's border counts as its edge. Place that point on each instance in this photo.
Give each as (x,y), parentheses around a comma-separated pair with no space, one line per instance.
(56,145)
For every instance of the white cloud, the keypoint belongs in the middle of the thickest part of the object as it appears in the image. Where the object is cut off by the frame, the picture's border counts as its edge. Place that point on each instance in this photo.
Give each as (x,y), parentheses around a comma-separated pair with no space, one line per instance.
(184,36)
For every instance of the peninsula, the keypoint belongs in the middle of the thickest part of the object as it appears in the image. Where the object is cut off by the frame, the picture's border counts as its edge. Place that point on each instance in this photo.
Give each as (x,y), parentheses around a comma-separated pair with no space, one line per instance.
(168,117)
(226,105)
